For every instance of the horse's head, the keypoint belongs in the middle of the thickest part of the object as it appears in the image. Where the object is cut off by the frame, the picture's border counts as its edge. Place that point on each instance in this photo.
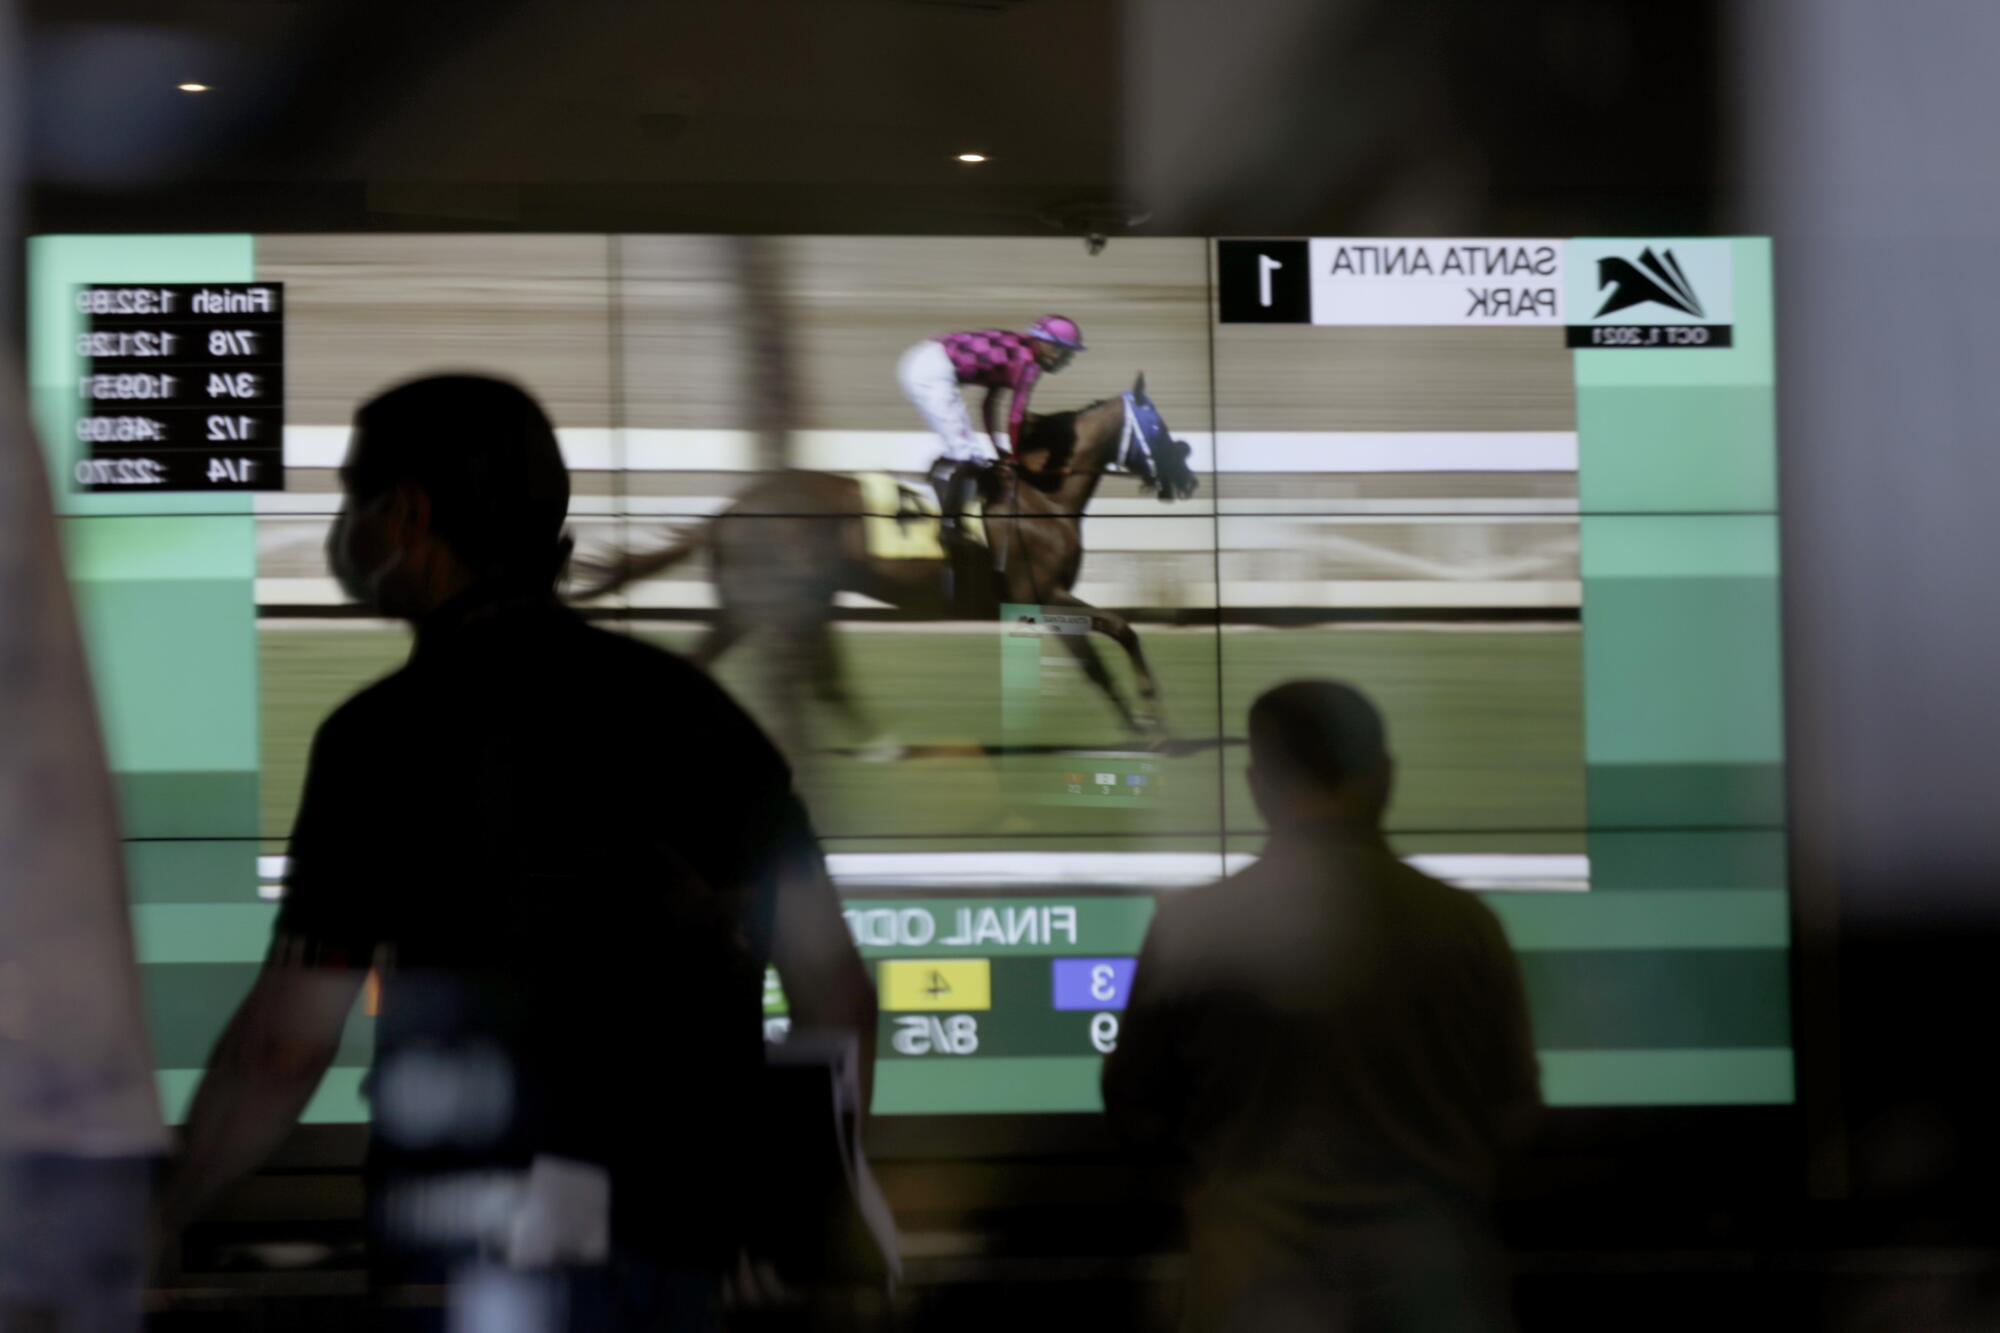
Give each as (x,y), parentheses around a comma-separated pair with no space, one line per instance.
(1150,452)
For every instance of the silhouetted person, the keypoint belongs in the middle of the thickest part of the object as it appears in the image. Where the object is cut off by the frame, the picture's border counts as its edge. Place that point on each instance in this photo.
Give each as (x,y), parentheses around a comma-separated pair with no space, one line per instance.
(1340,1044)
(570,854)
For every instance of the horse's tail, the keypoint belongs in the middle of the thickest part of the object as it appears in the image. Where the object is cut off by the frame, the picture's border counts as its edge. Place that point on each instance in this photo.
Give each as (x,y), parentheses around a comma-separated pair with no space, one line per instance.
(599,575)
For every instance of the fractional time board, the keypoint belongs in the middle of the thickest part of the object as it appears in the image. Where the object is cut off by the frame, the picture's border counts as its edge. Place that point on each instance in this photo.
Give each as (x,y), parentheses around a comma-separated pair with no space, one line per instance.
(182,387)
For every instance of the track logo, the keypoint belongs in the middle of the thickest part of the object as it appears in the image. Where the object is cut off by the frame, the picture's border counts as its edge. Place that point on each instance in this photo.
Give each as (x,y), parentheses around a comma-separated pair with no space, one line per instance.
(1652,292)
(1657,278)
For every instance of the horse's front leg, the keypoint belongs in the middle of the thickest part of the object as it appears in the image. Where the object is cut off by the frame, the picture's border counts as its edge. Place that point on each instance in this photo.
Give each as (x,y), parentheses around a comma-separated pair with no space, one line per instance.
(1118,629)
(1086,654)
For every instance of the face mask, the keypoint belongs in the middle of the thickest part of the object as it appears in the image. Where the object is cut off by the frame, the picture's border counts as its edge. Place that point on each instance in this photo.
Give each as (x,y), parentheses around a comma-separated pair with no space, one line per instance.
(364,585)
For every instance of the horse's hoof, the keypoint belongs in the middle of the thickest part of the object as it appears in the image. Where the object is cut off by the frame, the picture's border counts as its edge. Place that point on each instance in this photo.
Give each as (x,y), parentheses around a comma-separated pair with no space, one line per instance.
(882,750)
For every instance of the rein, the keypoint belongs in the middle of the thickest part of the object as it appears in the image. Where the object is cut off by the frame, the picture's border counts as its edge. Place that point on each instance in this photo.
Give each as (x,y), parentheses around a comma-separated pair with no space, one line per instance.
(1131,436)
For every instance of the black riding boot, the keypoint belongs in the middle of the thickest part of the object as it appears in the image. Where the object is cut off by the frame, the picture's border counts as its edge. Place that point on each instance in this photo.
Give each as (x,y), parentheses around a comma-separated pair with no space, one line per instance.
(948,478)
(944,480)
(957,483)
(956,489)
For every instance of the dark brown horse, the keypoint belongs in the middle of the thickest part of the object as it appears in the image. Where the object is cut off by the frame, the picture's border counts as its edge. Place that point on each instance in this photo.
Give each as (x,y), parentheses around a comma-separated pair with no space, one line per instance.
(795,539)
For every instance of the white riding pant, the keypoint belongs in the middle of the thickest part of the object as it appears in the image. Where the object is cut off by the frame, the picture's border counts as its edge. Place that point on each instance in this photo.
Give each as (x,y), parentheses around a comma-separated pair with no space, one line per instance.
(930,382)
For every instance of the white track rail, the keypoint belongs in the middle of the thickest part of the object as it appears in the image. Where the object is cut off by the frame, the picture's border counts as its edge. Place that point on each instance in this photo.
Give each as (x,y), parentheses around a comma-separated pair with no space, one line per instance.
(1032,872)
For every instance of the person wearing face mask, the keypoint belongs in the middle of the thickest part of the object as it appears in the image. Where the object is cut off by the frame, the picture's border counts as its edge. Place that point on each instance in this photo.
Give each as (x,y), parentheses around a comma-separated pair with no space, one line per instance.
(568,855)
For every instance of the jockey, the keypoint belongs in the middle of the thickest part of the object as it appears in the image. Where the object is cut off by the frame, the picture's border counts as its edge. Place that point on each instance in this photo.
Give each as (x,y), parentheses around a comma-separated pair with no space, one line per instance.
(931,373)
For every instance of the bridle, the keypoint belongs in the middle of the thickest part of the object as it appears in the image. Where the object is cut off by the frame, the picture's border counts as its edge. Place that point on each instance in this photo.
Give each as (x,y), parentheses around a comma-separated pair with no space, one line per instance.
(1135,442)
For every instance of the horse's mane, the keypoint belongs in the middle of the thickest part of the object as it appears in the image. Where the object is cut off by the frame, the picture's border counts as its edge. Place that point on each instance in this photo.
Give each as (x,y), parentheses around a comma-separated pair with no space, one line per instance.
(1054,437)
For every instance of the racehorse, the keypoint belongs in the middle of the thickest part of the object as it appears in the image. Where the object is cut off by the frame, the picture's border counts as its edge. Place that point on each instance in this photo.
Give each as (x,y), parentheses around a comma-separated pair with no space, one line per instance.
(792,541)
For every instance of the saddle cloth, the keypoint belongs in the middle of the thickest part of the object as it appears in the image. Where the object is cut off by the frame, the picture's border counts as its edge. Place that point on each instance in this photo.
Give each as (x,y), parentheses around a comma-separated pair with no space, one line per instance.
(901,520)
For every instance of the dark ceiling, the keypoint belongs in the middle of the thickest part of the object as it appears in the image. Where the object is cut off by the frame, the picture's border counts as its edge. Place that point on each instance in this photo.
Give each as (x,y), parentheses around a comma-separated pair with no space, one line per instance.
(844,115)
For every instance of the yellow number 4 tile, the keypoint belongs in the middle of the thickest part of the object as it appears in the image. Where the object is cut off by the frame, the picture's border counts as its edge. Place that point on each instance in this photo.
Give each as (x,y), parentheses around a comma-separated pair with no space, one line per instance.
(956,985)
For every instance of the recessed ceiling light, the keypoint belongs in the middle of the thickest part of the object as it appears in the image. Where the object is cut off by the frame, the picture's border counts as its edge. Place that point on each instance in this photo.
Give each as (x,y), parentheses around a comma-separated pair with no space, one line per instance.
(192,87)
(972,157)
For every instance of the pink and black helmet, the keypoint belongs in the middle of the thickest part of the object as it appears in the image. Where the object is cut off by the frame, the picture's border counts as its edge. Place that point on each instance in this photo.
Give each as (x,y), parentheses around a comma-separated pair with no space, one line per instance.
(1058,329)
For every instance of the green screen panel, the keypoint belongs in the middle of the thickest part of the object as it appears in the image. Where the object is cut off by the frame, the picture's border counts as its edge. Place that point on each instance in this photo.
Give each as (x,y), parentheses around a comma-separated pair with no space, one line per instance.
(1683,671)
(1636,999)
(168,611)
(165,591)
(202,932)
(989,1087)
(1677,449)
(1670,918)
(165,584)
(1683,703)
(188,871)
(1683,722)
(1699,1077)
(1678,796)
(1679,546)
(1751,859)
(1755,1076)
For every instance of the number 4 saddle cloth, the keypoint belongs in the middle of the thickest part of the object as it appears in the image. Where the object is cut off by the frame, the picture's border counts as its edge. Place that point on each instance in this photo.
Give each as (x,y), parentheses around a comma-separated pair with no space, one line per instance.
(900,518)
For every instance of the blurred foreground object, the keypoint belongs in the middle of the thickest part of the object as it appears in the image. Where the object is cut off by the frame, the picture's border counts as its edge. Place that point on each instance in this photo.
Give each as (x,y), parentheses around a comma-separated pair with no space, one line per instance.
(1855,143)
(79,1114)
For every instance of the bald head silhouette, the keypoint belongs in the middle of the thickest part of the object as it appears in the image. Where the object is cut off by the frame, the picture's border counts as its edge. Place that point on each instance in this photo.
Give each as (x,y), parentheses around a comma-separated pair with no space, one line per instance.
(1318,750)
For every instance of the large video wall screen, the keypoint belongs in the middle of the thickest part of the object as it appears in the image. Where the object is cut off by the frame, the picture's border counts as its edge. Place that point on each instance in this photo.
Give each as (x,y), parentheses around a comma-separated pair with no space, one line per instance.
(1521,490)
